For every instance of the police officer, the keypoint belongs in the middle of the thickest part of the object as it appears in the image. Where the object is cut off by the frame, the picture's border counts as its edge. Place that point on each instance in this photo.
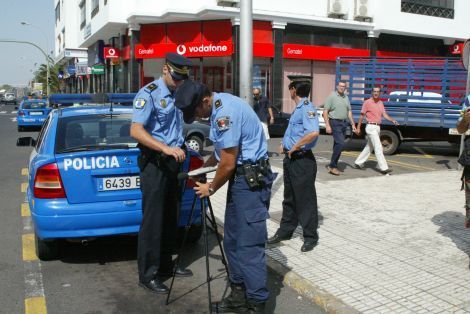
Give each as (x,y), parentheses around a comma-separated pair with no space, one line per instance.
(158,127)
(300,168)
(463,125)
(241,152)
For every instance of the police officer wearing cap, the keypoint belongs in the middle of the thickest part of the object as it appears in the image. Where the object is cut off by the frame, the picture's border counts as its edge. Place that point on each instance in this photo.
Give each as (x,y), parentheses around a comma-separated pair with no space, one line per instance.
(158,127)
(300,168)
(241,152)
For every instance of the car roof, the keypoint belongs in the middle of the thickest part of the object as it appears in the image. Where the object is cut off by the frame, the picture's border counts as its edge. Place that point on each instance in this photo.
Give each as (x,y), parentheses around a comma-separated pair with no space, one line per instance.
(417,93)
(90,110)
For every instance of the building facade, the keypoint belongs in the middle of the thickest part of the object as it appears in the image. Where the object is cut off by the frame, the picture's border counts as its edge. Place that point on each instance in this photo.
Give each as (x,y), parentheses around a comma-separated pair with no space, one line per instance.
(126,40)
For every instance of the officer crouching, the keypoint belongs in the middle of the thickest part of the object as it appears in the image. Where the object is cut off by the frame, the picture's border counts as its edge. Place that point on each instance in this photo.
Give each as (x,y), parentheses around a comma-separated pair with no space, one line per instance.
(158,127)
(241,152)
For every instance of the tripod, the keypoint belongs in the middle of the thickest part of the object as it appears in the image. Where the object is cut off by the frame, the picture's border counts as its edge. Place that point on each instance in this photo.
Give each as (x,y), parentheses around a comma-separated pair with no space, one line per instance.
(206,216)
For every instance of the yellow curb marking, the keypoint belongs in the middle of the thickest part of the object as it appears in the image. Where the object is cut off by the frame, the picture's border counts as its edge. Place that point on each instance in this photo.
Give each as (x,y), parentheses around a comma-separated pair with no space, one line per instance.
(36,305)
(24,172)
(29,252)
(24,187)
(25,212)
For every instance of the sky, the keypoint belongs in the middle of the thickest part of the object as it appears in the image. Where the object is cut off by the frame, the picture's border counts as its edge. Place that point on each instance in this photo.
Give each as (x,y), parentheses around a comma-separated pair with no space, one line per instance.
(17,60)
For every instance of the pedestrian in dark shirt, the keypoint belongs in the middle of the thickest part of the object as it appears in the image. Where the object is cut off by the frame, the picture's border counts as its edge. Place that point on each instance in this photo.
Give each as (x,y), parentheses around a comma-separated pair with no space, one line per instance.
(262,107)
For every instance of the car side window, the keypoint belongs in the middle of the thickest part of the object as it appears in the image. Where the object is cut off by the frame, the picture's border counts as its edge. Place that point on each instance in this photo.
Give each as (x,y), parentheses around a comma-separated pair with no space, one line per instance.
(40,138)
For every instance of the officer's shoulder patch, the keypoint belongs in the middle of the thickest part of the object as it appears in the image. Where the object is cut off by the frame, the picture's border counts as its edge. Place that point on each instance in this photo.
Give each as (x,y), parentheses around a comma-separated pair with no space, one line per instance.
(311,114)
(306,102)
(139,103)
(223,123)
(151,87)
(218,104)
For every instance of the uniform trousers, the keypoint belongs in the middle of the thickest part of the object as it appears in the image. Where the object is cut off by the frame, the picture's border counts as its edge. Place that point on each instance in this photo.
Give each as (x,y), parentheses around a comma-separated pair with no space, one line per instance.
(338,127)
(373,145)
(245,235)
(160,202)
(300,197)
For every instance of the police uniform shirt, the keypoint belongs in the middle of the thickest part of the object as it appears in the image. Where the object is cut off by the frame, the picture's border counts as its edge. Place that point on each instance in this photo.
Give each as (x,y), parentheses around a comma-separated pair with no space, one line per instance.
(303,120)
(465,107)
(154,108)
(234,124)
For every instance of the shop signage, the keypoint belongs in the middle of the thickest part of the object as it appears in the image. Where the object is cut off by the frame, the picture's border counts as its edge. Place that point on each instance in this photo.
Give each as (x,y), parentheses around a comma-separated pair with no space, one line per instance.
(456,49)
(294,51)
(81,68)
(186,49)
(71,69)
(111,53)
(75,53)
(97,69)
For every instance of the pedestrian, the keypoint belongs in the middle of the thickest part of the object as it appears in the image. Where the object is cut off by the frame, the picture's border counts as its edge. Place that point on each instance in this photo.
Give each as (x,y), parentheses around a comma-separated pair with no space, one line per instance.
(337,111)
(373,109)
(262,107)
(240,150)
(464,159)
(158,127)
(300,168)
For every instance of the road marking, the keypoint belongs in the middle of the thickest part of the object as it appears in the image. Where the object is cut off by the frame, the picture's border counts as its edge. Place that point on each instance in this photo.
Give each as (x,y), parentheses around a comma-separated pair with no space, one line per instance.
(25,212)
(393,162)
(3,112)
(13,119)
(24,187)
(14,112)
(36,305)
(24,172)
(29,249)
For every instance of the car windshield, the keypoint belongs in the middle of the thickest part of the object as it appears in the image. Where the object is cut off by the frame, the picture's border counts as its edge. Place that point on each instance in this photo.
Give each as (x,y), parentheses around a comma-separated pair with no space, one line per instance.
(34,105)
(94,132)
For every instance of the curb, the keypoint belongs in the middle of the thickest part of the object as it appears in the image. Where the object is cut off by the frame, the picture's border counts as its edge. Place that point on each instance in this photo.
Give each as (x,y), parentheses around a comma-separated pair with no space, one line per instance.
(328,302)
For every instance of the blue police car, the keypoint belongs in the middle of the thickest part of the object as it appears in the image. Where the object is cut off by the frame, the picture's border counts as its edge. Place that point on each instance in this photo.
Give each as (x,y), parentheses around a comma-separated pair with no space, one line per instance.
(32,113)
(84,178)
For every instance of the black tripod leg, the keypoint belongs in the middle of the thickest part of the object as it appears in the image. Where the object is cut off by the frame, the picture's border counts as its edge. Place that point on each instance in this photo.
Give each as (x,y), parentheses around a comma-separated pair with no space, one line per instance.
(185,236)
(219,241)
(206,251)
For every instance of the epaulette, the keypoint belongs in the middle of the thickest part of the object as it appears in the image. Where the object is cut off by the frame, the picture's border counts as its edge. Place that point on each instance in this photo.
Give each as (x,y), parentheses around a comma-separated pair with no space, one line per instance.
(218,104)
(151,87)
(306,102)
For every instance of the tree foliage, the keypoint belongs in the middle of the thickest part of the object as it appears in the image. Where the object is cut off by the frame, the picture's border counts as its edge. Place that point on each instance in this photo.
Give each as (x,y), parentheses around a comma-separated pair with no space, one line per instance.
(40,76)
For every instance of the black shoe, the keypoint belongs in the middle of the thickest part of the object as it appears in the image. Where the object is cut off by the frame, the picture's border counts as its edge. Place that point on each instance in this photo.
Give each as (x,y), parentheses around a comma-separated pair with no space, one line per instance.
(255,307)
(385,172)
(359,167)
(308,246)
(276,239)
(180,272)
(155,286)
(235,302)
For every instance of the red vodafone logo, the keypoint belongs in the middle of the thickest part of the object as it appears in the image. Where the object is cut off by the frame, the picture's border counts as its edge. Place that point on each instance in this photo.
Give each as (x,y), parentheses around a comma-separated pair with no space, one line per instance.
(111,53)
(186,49)
(181,49)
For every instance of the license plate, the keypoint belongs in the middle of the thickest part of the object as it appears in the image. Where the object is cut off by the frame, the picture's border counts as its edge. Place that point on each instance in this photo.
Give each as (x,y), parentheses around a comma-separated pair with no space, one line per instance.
(35,113)
(119,183)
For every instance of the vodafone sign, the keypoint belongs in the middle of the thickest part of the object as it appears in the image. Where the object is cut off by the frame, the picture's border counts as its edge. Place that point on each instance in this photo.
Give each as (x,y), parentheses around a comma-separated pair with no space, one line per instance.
(111,53)
(186,49)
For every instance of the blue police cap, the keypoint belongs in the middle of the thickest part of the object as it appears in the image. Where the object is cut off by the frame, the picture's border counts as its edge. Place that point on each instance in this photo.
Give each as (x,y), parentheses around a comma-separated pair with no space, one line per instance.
(178,65)
(188,96)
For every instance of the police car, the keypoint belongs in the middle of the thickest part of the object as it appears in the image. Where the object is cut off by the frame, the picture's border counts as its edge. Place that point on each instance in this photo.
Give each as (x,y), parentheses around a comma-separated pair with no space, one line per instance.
(32,113)
(84,178)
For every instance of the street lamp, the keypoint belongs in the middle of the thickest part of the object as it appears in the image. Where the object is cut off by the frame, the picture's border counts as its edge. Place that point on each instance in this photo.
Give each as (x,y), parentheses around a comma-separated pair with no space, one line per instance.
(47,55)
(43,52)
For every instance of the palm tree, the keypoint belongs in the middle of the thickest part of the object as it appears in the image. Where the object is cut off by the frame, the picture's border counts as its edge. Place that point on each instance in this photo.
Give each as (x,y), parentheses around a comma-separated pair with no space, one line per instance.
(40,76)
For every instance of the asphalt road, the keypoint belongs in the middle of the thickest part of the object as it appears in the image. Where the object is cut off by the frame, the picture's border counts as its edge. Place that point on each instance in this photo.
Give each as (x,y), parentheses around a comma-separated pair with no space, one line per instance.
(102,276)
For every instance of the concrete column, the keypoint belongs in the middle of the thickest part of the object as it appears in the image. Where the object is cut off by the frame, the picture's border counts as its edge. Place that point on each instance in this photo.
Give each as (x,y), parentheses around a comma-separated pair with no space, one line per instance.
(236,56)
(133,73)
(372,38)
(278,64)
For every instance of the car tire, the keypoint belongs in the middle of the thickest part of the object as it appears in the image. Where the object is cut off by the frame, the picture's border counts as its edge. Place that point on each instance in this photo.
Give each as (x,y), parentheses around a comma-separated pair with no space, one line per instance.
(195,143)
(20,129)
(47,250)
(390,141)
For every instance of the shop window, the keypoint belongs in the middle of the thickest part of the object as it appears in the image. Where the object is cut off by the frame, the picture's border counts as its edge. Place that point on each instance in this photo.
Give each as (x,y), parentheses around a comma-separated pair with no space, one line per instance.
(57,13)
(82,6)
(437,8)
(95,7)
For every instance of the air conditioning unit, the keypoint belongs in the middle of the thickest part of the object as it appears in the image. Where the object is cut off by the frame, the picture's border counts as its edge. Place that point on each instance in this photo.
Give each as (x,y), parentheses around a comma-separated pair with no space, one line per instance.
(337,8)
(228,3)
(362,11)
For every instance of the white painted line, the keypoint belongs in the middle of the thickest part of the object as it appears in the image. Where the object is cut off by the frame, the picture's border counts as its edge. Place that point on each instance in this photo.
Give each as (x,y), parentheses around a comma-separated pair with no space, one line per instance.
(3,112)
(14,112)
(13,119)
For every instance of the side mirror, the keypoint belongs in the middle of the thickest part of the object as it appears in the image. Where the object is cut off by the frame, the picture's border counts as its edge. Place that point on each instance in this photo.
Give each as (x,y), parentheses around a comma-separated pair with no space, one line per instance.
(25,141)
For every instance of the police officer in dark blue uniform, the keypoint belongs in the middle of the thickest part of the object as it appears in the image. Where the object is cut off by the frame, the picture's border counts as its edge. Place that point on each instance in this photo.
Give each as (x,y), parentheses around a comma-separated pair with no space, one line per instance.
(300,168)
(158,127)
(241,152)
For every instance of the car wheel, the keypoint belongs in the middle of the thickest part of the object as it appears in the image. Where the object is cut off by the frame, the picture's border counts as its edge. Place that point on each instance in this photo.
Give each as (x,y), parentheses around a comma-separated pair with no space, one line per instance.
(47,250)
(20,129)
(390,141)
(195,143)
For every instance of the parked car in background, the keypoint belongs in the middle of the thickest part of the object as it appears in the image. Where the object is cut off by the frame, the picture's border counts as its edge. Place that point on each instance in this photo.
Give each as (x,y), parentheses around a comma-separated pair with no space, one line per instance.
(196,135)
(9,99)
(31,114)
(281,121)
(84,179)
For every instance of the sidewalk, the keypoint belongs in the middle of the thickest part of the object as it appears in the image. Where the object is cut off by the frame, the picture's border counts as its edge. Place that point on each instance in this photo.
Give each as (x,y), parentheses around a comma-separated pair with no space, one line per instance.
(403,251)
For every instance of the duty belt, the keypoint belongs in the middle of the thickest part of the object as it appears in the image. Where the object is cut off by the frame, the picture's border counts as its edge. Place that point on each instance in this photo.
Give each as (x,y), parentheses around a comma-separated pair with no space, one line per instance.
(261,165)
(298,154)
